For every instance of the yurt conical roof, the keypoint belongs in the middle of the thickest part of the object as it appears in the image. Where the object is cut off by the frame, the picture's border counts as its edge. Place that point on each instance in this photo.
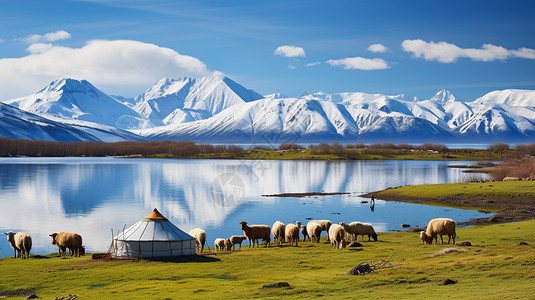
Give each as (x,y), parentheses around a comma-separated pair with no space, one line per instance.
(153,236)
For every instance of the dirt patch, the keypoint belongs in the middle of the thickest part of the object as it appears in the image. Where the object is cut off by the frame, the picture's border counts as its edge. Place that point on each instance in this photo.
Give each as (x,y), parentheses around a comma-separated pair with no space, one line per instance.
(447,251)
(23,293)
(512,209)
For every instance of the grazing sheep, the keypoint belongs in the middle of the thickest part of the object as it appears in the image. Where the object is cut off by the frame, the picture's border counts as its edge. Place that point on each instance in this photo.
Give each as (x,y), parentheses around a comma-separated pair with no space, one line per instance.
(21,243)
(256,233)
(292,233)
(510,179)
(357,228)
(237,239)
(228,245)
(219,245)
(65,240)
(336,235)
(304,232)
(278,230)
(200,238)
(440,226)
(325,225)
(314,232)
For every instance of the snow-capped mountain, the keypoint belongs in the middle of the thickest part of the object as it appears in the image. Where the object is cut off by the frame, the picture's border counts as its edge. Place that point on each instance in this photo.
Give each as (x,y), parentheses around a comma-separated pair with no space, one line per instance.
(217,109)
(174,101)
(267,120)
(19,124)
(80,100)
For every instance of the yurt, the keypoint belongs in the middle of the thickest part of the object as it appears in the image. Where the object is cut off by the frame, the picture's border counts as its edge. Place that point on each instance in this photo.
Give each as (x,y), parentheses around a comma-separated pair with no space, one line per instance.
(152,236)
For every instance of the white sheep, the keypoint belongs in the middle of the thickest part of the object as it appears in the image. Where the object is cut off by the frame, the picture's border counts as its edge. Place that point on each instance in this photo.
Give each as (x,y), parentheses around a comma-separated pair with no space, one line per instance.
(256,233)
(357,228)
(65,240)
(314,232)
(440,226)
(325,225)
(219,244)
(292,233)
(200,238)
(237,239)
(278,230)
(336,235)
(304,232)
(21,243)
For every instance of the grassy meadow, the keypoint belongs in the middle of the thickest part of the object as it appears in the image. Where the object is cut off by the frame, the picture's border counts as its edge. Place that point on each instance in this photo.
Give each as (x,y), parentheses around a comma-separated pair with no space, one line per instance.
(495,267)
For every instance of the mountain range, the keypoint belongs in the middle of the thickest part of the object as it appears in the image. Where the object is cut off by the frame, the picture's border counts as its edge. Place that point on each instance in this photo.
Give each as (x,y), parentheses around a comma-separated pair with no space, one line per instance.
(217,109)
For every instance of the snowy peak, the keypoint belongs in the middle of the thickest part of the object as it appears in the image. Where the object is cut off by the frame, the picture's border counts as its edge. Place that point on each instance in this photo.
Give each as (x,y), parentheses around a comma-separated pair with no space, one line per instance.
(80,100)
(511,97)
(443,97)
(206,96)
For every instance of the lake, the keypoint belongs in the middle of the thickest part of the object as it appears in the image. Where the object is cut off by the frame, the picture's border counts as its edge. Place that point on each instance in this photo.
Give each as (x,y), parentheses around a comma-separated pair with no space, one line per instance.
(92,196)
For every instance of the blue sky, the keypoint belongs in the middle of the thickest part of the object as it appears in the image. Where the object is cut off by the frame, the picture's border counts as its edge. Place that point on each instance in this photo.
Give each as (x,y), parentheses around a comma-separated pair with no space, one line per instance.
(123,47)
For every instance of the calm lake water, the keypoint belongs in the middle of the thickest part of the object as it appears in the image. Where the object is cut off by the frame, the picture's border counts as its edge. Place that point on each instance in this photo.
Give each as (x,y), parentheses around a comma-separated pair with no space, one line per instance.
(92,196)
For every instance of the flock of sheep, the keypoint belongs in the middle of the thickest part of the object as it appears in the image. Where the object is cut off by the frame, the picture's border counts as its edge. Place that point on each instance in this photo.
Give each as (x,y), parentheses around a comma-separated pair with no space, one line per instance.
(21,243)
(338,234)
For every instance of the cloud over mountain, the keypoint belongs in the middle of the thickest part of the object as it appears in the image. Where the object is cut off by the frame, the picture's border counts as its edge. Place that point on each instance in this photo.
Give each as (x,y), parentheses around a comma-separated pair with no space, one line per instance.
(117,63)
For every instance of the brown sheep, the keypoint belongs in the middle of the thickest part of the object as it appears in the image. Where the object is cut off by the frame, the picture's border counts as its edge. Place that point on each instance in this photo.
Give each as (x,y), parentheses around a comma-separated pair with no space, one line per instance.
(237,239)
(256,233)
(304,232)
(65,240)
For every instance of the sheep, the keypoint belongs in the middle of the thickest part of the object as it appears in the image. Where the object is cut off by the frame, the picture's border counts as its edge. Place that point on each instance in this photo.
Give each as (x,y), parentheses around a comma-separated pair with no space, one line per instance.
(325,225)
(228,245)
(358,228)
(292,233)
(21,243)
(65,240)
(304,232)
(219,244)
(255,233)
(200,238)
(314,232)
(278,230)
(440,226)
(336,235)
(237,239)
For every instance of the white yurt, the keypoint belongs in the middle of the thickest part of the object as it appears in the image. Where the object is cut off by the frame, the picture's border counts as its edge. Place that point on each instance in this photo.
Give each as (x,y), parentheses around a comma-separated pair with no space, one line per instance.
(152,236)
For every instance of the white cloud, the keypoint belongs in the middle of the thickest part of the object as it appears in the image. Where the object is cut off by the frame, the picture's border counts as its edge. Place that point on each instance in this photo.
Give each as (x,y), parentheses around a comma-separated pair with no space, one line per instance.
(290,51)
(447,53)
(120,65)
(291,67)
(49,37)
(39,47)
(359,63)
(377,48)
(1,41)
(524,53)
(313,64)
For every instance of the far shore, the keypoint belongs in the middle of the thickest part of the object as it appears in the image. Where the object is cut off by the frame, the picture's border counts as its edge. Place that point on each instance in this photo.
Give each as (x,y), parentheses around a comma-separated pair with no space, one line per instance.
(510,201)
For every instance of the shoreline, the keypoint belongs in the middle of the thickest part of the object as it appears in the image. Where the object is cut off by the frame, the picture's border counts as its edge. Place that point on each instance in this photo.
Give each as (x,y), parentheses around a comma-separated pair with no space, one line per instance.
(506,209)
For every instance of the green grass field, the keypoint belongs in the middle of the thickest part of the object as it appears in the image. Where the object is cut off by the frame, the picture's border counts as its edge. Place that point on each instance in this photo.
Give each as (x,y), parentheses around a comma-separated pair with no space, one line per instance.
(488,190)
(495,267)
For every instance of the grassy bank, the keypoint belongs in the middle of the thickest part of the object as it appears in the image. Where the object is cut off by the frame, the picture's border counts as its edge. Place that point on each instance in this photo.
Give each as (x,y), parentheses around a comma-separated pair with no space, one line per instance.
(513,200)
(494,262)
